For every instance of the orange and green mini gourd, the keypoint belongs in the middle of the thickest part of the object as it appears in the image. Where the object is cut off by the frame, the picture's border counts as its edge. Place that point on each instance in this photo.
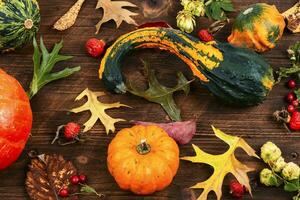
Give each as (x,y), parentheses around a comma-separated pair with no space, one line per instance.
(238,76)
(258,27)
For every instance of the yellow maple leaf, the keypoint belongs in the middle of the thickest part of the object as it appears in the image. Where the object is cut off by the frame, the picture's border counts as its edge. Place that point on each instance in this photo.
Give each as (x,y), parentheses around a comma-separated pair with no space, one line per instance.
(222,164)
(97,110)
(113,10)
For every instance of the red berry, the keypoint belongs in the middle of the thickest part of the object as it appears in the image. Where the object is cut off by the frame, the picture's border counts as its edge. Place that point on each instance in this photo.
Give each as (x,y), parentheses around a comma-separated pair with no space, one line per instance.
(64,192)
(291,84)
(290,97)
(291,108)
(82,178)
(237,190)
(95,47)
(295,103)
(71,130)
(205,36)
(74,180)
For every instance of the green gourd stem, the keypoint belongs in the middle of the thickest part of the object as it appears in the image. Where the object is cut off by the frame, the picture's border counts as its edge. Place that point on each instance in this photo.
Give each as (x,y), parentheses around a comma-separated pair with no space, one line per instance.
(143,148)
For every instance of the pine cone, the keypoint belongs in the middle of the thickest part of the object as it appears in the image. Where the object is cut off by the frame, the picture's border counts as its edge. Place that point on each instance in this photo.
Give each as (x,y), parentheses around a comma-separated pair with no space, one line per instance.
(47,176)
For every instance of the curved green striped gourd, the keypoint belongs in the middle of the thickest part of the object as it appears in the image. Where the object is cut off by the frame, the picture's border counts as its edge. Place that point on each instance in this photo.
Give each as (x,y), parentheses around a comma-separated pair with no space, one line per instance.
(19,22)
(235,75)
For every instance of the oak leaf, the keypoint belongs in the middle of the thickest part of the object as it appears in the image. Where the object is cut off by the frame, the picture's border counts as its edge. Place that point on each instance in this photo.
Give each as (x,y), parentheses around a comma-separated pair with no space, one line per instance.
(97,110)
(113,10)
(47,175)
(222,165)
(160,94)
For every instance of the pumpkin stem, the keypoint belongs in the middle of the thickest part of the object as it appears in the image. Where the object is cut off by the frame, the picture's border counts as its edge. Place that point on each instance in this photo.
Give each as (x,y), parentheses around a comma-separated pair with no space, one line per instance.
(28,23)
(143,148)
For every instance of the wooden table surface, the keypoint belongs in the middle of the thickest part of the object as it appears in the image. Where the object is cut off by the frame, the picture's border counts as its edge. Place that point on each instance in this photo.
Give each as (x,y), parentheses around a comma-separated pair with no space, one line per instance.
(50,107)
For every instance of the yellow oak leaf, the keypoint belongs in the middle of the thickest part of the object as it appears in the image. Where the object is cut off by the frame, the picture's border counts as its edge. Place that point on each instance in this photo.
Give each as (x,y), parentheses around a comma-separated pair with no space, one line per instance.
(113,10)
(222,164)
(97,110)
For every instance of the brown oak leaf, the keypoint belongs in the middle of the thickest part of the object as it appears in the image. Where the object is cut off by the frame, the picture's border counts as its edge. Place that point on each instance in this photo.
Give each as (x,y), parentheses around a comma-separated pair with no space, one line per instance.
(47,175)
(113,10)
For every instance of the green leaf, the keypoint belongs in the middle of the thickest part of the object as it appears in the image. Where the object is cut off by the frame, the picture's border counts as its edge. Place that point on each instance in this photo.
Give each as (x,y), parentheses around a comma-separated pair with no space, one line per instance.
(291,186)
(275,181)
(89,190)
(297,93)
(43,64)
(227,7)
(215,9)
(294,55)
(160,94)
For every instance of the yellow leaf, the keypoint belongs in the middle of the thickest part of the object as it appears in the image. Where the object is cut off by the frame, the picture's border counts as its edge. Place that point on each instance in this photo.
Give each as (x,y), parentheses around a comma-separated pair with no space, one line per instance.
(113,10)
(222,165)
(97,110)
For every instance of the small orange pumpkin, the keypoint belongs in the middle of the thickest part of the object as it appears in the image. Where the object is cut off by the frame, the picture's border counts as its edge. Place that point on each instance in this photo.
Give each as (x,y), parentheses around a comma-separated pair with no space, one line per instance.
(143,159)
(258,27)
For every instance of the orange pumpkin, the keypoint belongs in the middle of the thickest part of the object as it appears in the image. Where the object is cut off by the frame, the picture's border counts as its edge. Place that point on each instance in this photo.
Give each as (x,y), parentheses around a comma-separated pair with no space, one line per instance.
(143,159)
(258,27)
(15,119)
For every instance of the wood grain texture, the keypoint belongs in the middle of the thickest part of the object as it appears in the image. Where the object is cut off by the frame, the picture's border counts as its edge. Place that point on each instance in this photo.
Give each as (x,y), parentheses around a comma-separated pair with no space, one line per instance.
(50,106)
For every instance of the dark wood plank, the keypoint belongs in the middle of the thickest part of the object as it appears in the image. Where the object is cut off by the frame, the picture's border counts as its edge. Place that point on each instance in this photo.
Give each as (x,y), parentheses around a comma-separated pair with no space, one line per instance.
(50,107)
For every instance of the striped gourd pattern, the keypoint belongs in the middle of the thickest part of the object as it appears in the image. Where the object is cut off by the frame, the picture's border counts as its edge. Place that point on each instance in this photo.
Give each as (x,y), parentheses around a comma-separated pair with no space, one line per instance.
(13,15)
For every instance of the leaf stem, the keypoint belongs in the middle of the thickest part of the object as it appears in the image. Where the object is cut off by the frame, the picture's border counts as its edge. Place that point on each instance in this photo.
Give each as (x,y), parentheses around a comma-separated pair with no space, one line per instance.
(57,133)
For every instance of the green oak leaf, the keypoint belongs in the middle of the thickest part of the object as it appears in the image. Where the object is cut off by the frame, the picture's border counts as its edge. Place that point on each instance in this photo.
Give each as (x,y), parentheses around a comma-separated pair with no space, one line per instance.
(43,64)
(160,94)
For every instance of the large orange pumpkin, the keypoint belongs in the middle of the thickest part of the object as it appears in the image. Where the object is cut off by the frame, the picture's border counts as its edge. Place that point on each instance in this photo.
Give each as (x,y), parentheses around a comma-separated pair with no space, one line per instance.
(143,159)
(15,119)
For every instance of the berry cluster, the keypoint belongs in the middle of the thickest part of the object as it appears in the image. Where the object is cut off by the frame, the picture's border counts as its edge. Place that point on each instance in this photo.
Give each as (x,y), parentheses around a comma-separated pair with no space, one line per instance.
(291,97)
(74,180)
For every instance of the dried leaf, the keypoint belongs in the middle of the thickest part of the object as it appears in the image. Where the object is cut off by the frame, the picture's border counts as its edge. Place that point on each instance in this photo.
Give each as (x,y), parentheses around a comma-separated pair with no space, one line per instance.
(292,17)
(47,176)
(160,94)
(69,19)
(113,10)
(97,110)
(181,132)
(222,164)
